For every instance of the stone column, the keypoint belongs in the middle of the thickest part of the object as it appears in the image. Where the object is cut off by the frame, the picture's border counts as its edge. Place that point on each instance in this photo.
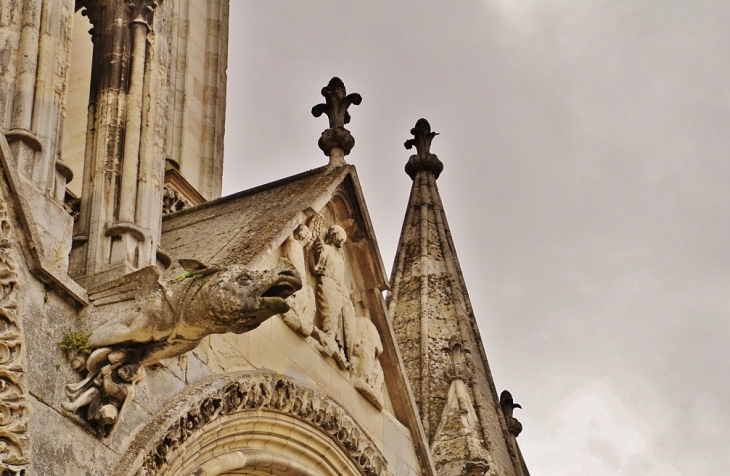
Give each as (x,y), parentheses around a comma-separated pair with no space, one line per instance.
(39,64)
(119,225)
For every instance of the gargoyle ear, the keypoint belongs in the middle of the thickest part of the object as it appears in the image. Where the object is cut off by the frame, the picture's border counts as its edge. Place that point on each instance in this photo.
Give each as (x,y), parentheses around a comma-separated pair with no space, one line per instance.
(195,266)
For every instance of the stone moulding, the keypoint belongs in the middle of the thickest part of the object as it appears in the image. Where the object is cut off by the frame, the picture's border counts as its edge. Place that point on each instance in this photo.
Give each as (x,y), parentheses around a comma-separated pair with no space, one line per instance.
(241,392)
(14,408)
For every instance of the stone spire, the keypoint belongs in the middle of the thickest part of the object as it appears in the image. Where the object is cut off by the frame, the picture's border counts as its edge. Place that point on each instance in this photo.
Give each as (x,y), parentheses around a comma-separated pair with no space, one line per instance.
(438,335)
(336,142)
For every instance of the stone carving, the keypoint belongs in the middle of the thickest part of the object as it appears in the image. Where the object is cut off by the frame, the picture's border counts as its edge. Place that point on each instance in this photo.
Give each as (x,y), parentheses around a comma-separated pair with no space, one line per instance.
(367,374)
(424,159)
(303,307)
(172,200)
(142,11)
(147,321)
(106,391)
(93,9)
(352,341)
(253,391)
(337,333)
(508,405)
(459,422)
(337,101)
(14,408)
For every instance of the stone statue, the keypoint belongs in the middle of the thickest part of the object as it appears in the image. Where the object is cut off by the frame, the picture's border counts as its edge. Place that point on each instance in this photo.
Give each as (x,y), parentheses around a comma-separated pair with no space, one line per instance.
(337,333)
(367,374)
(303,307)
(146,320)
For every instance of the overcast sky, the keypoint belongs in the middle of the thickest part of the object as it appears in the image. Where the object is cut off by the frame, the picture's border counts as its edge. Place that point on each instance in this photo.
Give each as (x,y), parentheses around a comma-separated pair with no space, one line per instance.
(586,151)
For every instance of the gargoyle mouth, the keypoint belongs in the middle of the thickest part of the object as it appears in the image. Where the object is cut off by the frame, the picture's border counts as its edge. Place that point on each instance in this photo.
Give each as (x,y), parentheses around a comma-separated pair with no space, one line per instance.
(284,286)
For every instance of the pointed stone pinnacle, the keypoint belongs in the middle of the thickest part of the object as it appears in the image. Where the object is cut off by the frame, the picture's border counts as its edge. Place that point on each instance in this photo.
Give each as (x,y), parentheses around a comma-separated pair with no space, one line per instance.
(335,107)
(423,159)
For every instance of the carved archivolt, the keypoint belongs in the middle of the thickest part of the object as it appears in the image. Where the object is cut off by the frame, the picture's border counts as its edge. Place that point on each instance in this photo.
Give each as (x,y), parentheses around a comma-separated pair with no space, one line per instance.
(223,397)
(14,408)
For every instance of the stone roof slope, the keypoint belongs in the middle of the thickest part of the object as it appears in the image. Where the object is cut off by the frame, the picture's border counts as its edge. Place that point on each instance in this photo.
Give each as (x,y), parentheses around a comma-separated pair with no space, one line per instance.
(244,226)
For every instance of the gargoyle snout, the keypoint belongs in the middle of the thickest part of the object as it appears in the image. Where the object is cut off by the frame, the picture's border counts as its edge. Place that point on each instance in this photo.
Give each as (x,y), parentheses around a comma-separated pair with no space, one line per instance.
(287,281)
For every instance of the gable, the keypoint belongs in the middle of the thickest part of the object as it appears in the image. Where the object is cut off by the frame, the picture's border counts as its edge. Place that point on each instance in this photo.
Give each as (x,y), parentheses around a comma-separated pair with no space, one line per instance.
(336,336)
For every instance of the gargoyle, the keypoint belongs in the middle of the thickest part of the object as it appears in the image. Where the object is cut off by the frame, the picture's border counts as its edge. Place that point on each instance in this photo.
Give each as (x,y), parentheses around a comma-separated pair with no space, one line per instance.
(145,321)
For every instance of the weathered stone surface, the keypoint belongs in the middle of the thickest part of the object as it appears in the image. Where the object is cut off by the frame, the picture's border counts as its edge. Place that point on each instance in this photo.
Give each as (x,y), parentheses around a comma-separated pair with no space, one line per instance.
(336,142)
(145,321)
(336,400)
(244,392)
(434,322)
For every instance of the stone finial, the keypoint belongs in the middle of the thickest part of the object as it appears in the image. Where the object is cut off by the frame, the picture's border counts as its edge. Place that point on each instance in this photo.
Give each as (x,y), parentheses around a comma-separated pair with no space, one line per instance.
(335,107)
(423,159)
(508,405)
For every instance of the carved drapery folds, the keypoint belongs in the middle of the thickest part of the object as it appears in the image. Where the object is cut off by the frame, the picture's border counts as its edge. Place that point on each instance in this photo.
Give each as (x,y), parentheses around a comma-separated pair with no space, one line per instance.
(336,142)
(325,313)
(259,391)
(14,408)
(145,321)
(458,433)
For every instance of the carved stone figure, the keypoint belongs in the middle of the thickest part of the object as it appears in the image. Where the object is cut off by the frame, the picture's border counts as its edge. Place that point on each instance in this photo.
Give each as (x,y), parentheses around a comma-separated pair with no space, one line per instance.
(147,321)
(337,335)
(366,370)
(173,317)
(106,390)
(172,200)
(303,307)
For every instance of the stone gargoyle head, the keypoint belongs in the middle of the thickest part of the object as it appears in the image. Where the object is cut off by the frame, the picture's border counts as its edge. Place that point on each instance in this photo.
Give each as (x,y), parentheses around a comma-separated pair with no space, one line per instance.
(169,318)
(142,320)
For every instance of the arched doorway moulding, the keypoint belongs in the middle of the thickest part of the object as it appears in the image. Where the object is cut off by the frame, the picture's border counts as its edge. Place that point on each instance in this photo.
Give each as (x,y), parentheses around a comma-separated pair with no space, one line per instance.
(247,418)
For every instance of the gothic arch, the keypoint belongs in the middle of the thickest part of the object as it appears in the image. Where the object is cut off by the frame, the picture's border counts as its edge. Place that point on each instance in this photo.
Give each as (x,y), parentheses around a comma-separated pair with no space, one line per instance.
(253,423)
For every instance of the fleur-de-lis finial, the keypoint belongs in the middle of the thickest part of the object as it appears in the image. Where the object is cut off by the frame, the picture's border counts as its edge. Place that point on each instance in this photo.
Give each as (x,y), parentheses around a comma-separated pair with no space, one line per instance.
(424,159)
(337,101)
(422,138)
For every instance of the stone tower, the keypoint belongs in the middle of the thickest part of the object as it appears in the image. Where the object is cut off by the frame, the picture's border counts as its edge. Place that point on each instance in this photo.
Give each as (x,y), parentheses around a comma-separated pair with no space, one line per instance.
(469,432)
